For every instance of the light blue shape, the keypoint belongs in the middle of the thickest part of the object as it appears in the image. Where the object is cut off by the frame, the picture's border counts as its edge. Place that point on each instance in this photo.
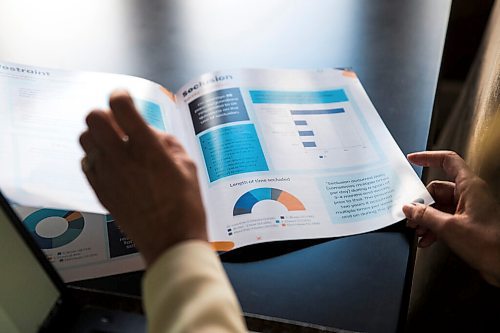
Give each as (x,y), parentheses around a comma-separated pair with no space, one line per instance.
(263,193)
(151,112)
(232,150)
(298,97)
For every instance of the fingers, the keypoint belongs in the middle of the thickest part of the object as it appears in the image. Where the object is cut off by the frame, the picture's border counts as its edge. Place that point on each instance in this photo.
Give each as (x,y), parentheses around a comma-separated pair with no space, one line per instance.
(128,118)
(442,192)
(452,164)
(420,231)
(105,136)
(87,142)
(173,144)
(88,162)
(427,239)
(88,170)
(420,215)
(426,236)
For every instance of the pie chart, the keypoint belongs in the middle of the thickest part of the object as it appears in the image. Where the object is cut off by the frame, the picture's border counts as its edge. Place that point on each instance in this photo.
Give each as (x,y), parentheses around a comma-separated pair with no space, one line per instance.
(245,203)
(74,219)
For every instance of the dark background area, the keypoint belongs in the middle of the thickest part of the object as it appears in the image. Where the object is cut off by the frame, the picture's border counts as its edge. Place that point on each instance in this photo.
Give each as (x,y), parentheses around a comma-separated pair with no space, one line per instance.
(453,308)
(467,23)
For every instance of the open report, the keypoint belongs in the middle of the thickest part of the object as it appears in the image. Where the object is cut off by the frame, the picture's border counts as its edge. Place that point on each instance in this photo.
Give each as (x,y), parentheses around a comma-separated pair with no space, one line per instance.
(281,155)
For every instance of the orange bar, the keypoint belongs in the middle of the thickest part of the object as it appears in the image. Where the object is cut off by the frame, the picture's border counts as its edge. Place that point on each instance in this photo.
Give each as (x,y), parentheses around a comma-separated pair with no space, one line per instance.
(222,246)
(290,202)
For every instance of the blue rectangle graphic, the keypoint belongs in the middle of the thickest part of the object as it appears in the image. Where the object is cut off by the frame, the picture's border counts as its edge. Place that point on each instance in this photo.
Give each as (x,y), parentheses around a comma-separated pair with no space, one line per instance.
(306,133)
(316,112)
(151,112)
(300,122)
(298,97)
(309,144)
(232,150)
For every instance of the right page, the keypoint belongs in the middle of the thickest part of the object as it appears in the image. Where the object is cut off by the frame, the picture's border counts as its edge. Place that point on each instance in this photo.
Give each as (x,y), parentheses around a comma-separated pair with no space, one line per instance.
(293,154)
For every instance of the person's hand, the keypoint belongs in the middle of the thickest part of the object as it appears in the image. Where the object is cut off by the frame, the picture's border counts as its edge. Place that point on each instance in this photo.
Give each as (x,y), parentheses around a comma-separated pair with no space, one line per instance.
(466,216)
(143,177)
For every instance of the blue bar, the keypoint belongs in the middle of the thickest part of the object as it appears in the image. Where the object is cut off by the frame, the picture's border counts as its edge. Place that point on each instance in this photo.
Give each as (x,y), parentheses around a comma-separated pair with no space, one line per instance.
(298,97)
(306,133)
(309,144)
(316,112)
(300,122)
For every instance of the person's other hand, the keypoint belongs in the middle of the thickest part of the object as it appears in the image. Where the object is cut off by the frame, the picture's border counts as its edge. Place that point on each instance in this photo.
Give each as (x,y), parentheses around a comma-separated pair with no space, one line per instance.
(466,216)
(143,177)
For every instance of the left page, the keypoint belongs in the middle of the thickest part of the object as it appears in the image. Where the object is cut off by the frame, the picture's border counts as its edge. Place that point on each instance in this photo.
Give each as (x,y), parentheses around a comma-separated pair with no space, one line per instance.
(42,114)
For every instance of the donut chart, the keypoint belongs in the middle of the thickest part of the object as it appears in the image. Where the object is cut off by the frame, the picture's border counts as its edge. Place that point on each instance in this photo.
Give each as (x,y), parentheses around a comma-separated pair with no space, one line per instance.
(75,221)
(245,203)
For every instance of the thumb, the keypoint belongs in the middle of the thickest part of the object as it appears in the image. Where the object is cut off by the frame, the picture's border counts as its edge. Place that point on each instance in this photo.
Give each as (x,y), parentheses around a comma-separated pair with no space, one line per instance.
(428,217)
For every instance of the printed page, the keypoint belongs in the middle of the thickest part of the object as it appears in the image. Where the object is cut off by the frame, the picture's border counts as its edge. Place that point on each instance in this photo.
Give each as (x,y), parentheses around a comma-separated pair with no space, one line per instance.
(81,245)
(42,114)
(291,154)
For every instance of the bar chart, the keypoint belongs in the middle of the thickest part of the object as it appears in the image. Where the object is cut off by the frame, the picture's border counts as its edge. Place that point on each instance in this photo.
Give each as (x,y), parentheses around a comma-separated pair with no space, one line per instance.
(324,133)
(325,129)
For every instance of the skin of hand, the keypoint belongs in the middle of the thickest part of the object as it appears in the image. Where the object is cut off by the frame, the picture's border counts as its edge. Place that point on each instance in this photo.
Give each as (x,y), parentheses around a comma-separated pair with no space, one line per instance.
(466,216)
(143,177)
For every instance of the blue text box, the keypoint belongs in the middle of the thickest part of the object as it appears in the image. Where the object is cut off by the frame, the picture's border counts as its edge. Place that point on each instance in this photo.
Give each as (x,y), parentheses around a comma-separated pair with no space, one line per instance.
(232,150)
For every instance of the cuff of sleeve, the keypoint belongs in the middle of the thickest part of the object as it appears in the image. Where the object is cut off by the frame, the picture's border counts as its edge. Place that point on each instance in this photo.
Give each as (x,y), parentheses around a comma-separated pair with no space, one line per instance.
(172,260)
(185,283)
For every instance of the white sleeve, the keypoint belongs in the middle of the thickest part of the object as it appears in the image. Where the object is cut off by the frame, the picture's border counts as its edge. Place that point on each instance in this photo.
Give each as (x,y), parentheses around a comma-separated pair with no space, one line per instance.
(187,290)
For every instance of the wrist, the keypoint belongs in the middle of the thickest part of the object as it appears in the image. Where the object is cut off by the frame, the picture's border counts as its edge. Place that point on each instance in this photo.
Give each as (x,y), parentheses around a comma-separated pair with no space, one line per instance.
(154,249)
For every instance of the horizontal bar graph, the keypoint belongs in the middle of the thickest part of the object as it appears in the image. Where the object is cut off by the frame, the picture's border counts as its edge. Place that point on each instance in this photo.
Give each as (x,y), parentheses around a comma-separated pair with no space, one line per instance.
(316,112)
(308,121)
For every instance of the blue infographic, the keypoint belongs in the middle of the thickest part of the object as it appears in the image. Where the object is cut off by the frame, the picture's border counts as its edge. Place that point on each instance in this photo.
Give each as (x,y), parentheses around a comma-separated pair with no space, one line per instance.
(75,221)
(151,112)
(232,150)
(245,203)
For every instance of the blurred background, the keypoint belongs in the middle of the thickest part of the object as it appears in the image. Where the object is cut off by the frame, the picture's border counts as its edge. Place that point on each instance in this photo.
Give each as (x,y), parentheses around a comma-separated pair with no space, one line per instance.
(466,27)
